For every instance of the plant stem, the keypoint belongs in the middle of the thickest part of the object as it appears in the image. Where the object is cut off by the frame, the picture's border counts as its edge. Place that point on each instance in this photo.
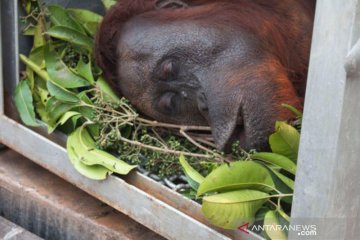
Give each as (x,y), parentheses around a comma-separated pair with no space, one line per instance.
(283,214)
(136,143)
(43,74)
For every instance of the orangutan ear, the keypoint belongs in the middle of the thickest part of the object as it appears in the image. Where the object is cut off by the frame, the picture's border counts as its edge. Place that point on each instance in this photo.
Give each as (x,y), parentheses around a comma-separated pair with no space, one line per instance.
(172,4)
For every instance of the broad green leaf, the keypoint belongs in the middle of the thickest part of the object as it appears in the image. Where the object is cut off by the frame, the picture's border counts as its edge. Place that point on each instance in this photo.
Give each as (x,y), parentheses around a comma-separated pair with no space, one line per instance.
(90,156)
(106,91)
(37,56)
(74,120)
(72,36)
(84,97)
(276,159)
(24,103)
(68,115)
(94,130)
(61,93)
(91,28)
(108,3)
(285,140)
(84,70)
(282,183)
(232,209)
(60,17)
(95,172)
(84,16)
(272,223)
(56,108)
(287,181)
(194,178)
(59,72)
(237,175)
(260,214)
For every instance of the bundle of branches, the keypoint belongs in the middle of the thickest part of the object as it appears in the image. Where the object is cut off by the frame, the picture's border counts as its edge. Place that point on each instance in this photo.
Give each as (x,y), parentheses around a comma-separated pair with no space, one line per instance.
(63,87)
(70,94)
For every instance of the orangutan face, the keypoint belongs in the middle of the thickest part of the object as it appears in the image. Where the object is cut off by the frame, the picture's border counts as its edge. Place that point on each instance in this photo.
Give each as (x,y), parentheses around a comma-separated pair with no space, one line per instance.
(200,72)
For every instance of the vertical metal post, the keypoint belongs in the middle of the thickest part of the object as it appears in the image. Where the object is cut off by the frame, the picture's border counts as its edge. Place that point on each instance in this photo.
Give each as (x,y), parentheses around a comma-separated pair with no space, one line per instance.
(1,71)
(327,185)
(1,77)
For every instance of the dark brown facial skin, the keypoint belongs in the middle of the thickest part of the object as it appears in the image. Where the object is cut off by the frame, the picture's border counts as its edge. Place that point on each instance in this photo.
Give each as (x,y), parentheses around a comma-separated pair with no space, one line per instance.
(227,64)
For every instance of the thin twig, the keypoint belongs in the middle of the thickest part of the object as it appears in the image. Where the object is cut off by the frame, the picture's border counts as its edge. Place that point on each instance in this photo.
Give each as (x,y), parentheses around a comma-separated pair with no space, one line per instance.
(184,134)
(136,143)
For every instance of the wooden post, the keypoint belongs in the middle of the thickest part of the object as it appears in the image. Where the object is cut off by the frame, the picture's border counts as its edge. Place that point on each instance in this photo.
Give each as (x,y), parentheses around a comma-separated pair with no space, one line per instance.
(327,188)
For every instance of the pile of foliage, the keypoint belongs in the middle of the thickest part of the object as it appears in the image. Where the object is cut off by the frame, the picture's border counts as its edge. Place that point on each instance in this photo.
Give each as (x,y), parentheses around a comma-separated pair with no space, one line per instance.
(63,87)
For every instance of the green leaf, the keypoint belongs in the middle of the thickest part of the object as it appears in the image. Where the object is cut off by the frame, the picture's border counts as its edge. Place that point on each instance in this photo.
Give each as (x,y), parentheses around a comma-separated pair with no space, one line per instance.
(39,39)
(60,17)
(59,72)
(90,156)
(84,16)
(67,116)
(106,91)
(29,31)
(43,94)
(95,172)
(271,223)
(40,107)
(61,93)
(86,111)
(287,181)
(237,175)
(194,178)
(285,140)
(84,70)
(232,209)
(37,69)
(94,130)
(55,109)
(72,36)
(108,3)
(24,103)
(282,183)
(91,28)
(63,120)
(89,20)
(276,159)
(37,56)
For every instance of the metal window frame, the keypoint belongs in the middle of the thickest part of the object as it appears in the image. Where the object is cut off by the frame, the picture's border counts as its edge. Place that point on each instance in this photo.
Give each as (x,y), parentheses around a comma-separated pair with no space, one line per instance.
(146,201)
(327,191)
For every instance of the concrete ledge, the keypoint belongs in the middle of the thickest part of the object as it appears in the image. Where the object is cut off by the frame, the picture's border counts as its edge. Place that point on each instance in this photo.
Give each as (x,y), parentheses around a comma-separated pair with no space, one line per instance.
(51,208)
(11,231)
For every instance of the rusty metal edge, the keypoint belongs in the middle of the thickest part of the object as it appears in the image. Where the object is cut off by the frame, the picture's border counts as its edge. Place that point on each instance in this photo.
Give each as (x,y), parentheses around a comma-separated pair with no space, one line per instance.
(139,205)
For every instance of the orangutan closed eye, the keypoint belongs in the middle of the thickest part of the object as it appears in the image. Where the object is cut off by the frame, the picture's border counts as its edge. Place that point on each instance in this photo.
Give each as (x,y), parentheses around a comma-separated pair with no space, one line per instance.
(229,64)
